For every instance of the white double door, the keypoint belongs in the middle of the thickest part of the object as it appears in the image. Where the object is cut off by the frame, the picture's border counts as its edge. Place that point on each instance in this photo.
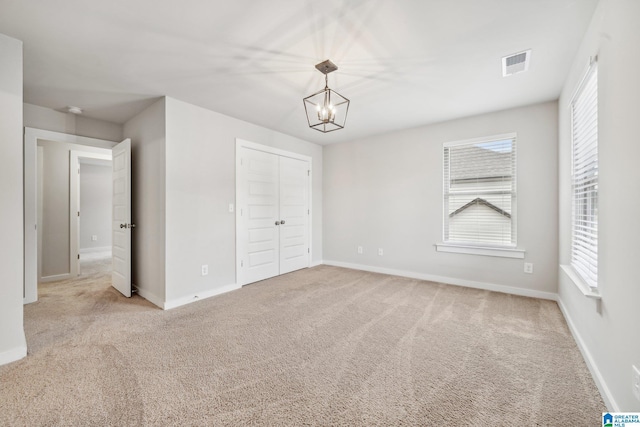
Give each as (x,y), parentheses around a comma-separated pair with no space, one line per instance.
(273,214)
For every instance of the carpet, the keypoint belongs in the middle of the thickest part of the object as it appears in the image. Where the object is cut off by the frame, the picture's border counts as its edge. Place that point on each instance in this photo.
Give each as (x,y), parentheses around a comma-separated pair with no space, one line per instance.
(320,346)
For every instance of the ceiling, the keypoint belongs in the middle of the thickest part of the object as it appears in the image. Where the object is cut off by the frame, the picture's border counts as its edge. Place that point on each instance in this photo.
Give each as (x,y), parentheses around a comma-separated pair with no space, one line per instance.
(403,63)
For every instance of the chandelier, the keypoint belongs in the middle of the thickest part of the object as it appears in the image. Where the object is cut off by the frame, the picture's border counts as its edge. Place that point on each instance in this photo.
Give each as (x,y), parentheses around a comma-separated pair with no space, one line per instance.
(326,109)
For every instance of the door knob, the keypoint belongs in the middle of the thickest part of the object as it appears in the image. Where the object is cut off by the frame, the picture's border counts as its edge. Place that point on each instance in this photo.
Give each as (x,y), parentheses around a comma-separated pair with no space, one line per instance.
(123,225)
(277,222)
(282,222)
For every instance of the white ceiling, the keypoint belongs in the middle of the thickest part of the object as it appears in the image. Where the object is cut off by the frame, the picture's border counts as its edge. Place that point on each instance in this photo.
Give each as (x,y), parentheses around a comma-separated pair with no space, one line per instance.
(403,63)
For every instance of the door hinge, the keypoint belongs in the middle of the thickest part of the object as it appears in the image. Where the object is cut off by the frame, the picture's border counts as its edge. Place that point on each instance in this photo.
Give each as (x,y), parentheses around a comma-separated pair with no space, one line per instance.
(240,211)
(308,251)
(241,263)
(240,161)
(307,211)
(78,256)
(78,213)
(308,172)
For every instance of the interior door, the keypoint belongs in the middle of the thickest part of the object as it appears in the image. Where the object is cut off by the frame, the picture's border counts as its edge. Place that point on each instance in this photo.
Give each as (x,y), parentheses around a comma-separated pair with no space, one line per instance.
(121,218)
(294,214)
(260,215)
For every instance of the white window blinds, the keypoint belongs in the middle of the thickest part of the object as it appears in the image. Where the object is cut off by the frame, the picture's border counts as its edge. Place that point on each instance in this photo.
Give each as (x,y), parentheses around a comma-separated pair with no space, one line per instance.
(584,227)
(480,191)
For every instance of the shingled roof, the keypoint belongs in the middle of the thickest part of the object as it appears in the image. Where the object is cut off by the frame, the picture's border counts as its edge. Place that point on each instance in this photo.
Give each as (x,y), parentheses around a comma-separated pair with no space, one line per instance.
(474,162)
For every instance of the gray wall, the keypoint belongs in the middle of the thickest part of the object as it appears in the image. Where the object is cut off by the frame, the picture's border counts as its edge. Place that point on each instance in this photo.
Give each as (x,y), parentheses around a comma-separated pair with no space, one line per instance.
(386,192)
(200,179)
(12,340)
(48,119)
(610,335)
(95,206)
(54,226)
(147,132)
(183,177)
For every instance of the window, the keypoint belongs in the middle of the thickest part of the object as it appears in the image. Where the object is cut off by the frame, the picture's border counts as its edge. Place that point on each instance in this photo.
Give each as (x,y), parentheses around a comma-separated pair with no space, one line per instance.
(480,192)
(584,179)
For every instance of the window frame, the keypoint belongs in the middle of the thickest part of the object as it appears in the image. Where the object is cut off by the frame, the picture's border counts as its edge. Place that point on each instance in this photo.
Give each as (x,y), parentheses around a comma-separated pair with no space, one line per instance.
(480,248)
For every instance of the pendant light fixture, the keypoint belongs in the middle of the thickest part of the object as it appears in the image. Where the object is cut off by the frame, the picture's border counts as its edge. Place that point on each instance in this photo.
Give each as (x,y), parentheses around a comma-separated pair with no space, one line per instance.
(326,109)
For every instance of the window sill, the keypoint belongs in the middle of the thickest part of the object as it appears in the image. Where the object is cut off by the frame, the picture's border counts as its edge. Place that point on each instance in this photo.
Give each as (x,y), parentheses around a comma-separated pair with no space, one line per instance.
(480,250)
(586,290)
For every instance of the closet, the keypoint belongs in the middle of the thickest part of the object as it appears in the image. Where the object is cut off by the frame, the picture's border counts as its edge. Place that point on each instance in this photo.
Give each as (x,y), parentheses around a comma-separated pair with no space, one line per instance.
(272,212)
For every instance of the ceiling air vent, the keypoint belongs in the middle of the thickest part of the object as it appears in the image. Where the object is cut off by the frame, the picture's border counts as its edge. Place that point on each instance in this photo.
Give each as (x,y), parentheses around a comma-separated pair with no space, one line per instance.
(515,63)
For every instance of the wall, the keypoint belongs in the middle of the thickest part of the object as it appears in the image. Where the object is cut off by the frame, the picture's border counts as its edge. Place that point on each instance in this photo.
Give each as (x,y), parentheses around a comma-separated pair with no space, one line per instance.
(54,227)
(147,133)
(200,181)
(95,206)
(13,345)
(48,119)
(608,335)
(386,192)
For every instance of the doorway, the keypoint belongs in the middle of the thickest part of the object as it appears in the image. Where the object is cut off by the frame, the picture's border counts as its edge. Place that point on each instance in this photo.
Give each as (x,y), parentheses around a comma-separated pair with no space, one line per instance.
(91,227)
(273,215)
(60,262)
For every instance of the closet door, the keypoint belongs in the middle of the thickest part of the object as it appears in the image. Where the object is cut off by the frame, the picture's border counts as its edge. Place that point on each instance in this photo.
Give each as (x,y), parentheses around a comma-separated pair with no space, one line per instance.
(294,214)
(260,189)
(273,201)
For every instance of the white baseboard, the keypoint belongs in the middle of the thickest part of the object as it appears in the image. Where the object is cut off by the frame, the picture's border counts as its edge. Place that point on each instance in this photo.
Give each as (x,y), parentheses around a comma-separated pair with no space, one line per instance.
(199,296)
(91,250)
(316,263)
(54,278)
(449,280)
(14,354)
(591,364)
(149,296)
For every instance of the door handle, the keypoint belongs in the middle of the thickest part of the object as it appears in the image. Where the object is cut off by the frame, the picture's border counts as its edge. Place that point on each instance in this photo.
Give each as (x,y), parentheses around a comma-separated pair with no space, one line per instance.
(123,225)
(127,226)
(282,222)
(277,222)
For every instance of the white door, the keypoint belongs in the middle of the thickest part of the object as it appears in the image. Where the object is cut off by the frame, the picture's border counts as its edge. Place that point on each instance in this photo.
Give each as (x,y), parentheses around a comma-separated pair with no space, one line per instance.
(121,218)
(294,214)
(260,215)
(273,215)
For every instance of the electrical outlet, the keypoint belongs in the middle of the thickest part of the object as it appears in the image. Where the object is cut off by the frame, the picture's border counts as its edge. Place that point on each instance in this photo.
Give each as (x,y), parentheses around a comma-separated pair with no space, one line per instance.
(231,207)
(380,251)
(359,249)
(528,267)
(94,238)
(205,270)
(636,382)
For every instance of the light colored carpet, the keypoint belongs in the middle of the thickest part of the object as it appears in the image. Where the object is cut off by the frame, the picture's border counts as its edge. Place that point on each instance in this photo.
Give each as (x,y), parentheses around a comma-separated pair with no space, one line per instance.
(323,346)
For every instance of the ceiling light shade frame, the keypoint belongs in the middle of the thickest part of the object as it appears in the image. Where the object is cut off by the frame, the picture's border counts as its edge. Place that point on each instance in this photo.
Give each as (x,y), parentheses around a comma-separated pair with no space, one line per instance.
(326,109)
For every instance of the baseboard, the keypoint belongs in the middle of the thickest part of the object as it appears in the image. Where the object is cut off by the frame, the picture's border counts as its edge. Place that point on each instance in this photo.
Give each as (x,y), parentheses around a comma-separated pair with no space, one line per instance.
(91,250)
(168,305)
(54,278)
(14,354)
(149,296)
(449,280)
(316,263)
(609,401)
